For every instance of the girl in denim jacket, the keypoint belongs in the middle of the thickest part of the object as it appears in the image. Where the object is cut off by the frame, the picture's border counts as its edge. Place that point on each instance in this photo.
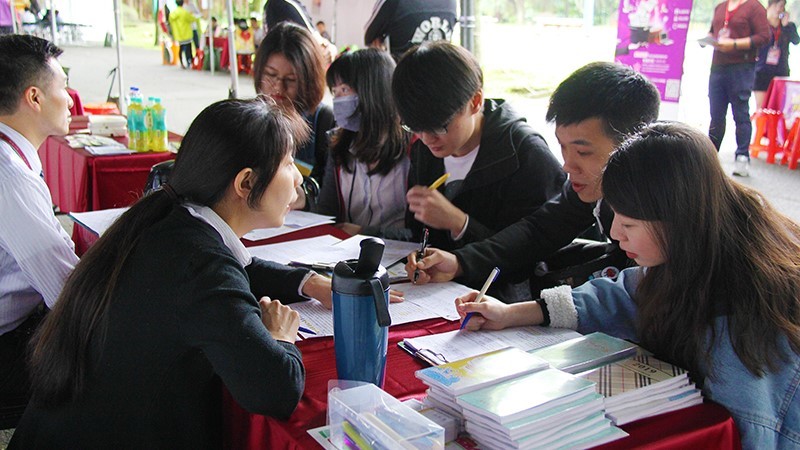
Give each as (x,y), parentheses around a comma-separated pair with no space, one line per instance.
(719,287)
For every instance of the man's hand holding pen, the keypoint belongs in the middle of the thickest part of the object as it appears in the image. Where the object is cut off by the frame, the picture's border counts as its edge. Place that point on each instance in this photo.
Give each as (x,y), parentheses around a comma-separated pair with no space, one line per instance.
(437,266)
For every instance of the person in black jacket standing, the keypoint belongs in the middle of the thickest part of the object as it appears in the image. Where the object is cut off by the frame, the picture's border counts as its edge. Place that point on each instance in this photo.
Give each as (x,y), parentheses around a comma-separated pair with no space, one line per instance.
(594,109)
(499,168)
(406,23)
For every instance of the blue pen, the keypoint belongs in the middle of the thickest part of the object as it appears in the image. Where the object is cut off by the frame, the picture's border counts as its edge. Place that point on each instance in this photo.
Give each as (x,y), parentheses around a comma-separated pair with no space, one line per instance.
(306,331)
(479,298)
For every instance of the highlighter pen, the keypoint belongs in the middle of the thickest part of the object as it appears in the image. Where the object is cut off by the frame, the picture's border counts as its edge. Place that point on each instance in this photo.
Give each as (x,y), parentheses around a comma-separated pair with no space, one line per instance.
(479,298)
(439,181)
(421,252)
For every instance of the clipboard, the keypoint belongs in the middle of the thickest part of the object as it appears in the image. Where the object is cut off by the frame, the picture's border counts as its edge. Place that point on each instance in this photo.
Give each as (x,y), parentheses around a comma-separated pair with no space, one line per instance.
(425,355)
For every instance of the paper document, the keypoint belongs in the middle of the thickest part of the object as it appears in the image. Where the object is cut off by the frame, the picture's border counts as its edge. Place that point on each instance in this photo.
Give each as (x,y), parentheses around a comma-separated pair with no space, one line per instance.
(97,221)
(421,303)
(295,220)
(108,150)
(708,40)
(351,247)
(283,252)
(457,344)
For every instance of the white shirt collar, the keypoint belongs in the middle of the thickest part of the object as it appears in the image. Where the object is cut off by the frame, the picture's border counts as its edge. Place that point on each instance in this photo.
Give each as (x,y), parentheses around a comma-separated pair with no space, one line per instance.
(596,212)
(25,146)
(229,238)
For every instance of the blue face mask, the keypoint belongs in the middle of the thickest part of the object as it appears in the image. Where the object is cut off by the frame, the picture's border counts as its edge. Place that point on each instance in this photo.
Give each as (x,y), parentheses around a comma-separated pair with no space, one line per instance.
(345,112)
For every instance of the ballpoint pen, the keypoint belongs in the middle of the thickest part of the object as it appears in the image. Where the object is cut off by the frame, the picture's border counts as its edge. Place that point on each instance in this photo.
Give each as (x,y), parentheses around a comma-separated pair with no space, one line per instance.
(306,331)
(479,298)
(421,252)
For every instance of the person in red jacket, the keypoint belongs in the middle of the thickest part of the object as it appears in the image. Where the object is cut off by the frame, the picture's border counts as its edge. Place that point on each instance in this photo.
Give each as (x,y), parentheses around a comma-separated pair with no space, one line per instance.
(739,27)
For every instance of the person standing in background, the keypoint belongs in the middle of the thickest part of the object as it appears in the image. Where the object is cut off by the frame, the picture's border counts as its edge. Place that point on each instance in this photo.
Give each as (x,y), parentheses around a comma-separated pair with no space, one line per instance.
(740,27)
(409,22)
(773,58)
(192,8)
(6,19)
(181,21)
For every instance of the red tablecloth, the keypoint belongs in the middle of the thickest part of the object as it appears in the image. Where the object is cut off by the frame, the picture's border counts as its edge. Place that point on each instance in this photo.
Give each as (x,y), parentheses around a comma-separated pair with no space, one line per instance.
(77,106)
(80,181)
(783,94)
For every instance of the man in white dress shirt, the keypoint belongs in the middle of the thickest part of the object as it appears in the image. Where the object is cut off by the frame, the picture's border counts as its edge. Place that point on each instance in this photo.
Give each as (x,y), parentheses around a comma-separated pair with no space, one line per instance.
(36,254)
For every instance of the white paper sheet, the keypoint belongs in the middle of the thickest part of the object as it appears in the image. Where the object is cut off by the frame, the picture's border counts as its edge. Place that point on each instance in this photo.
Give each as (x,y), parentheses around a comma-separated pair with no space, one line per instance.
(457,344)
(351,247)
(97,221)
(284,252)
(295,220)
(422,302)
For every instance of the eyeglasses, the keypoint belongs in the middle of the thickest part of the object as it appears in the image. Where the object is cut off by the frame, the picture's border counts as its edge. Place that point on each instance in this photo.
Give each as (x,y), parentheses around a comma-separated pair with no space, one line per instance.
(273,79)
(441,131)
(436,131)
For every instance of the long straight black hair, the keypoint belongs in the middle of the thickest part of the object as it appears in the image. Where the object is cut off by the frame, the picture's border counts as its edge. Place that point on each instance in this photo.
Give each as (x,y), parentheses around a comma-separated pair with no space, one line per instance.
(728,252)
(380,138)
(225,138)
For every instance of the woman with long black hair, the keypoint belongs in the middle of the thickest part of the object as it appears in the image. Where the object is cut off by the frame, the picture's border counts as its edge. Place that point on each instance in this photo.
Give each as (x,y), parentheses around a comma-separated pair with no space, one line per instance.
(168,301)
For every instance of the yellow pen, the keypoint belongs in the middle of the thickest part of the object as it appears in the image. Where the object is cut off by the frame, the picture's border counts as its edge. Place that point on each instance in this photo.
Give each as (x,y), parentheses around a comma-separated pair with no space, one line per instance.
(439,181)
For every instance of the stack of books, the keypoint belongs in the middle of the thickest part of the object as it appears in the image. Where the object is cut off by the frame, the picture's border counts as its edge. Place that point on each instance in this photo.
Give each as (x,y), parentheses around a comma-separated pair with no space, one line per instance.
(544,409)
(448,381)
(586,352)
(643,386)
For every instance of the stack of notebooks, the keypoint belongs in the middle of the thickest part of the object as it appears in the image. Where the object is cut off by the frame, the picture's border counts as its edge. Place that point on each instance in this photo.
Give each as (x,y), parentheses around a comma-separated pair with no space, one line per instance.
(511,399)
(571,394)
(643,386)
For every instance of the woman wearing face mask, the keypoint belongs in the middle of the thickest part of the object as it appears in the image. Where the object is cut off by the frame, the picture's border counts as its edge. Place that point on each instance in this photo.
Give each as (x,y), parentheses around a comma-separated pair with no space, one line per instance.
(365,176)
(290,69)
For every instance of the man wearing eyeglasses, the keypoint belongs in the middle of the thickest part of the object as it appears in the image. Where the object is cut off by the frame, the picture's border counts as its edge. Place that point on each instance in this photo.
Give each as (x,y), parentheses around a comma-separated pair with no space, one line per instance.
(500,168)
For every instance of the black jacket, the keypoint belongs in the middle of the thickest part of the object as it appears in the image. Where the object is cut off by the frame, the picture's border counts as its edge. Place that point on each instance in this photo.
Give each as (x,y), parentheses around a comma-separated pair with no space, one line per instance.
(183,313)
(513,175)
(410,22)
(517,249)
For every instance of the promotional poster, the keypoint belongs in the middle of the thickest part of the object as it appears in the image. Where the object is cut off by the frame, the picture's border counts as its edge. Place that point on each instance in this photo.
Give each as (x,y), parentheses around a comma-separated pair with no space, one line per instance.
(651,38)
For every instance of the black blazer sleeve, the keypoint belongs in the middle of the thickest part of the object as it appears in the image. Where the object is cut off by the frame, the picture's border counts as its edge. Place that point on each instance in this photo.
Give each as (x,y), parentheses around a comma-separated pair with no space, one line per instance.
(323,125)
(517,248)
(222,319)
(276,281)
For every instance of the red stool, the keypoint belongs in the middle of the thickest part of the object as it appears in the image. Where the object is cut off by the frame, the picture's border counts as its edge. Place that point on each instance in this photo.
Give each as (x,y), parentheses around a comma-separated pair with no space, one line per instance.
(791,148)
(768,123)
(197,61)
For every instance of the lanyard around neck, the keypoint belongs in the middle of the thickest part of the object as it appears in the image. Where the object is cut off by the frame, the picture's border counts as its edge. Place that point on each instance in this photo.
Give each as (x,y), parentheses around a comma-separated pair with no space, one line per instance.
(729,13)
(16,148)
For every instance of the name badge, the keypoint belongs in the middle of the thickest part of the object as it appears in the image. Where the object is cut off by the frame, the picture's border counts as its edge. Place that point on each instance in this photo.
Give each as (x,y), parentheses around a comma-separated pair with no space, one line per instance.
(724,33)
(773,56)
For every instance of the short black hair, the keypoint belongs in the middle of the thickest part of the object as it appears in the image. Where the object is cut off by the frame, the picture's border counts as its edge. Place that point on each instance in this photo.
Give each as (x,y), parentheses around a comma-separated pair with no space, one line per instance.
(179,2)
(618,95)
(23,62)
(432,82)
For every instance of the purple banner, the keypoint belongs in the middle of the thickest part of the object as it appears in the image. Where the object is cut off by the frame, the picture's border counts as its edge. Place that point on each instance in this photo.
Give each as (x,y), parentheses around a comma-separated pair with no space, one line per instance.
(651,38)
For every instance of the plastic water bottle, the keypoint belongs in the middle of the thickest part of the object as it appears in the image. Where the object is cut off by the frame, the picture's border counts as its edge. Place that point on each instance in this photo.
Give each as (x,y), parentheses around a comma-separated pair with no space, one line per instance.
(148,124)
(136,128)
(133,93)
(159,129)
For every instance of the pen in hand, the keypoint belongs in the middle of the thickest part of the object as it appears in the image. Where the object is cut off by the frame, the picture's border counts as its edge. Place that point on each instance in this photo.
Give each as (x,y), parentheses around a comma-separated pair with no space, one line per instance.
(481,294)
(439,181)
(421,252)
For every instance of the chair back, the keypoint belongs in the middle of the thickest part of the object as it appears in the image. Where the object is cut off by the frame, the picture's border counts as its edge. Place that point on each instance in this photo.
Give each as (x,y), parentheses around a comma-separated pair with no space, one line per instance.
(159,174)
